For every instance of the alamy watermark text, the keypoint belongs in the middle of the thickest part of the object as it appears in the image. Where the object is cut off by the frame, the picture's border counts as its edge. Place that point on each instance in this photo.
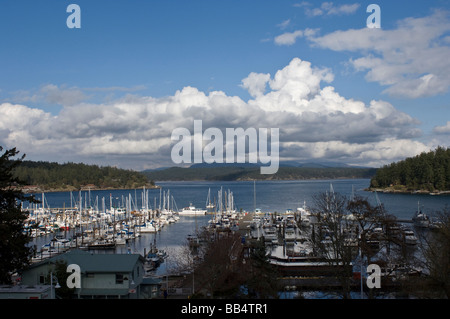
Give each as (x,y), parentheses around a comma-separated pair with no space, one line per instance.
(211,147)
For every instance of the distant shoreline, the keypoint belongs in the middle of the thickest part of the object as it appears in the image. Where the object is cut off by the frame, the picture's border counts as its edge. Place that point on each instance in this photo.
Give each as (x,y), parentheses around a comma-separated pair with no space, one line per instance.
(392,190)
(261,179)
(31,189)
(235,173)
(39,189)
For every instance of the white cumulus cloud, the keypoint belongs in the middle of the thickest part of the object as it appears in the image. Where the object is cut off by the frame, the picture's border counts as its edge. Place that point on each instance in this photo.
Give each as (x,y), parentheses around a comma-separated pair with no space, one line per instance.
(134,131)
(328,8)
(411,60)
(445,129)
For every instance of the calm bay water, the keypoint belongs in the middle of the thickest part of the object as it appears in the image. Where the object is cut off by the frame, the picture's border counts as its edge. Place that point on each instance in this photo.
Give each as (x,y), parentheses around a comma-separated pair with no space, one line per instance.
(271,196)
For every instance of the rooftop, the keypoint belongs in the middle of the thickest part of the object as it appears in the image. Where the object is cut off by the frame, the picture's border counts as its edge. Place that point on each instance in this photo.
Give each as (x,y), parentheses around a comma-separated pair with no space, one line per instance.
(90,262)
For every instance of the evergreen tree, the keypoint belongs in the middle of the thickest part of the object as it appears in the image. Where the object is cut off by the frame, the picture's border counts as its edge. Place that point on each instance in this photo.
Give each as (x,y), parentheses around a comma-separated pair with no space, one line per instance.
(14,254)
(261,276)
(426,171)
(61,274)
(72,176)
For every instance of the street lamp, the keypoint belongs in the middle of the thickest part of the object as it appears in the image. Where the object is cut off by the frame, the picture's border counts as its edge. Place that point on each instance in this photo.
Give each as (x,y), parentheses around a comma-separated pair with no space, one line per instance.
(57,286)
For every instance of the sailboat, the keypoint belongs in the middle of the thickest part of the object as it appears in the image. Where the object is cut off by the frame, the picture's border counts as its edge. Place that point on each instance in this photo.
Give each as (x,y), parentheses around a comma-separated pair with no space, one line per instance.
(420,219)
(209,205)
(148,227)
(305,215)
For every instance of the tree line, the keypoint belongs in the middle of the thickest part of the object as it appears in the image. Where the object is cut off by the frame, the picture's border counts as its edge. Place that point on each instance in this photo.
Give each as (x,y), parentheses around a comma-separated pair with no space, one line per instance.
(49,175)
(426,172)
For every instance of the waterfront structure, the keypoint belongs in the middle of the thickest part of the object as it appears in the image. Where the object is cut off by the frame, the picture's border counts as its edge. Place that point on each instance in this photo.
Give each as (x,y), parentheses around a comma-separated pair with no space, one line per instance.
(26,291)
(116,276)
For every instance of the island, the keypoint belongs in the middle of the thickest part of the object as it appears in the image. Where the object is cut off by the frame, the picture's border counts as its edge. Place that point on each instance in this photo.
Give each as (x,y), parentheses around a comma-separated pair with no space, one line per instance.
(428,173)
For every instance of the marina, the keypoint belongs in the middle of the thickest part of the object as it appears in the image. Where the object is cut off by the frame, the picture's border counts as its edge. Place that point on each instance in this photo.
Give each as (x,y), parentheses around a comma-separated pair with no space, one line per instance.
(122,215)
(156,231)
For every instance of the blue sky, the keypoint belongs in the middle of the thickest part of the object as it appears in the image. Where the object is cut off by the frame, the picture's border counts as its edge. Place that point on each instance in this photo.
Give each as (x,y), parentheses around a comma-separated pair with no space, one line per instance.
(112,91)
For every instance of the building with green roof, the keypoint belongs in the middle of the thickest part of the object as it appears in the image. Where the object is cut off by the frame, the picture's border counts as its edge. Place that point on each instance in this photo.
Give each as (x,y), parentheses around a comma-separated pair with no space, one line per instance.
(111,276)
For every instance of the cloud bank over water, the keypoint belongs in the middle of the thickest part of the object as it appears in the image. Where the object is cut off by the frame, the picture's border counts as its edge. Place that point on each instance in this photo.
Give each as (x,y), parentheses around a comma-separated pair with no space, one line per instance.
(134,131)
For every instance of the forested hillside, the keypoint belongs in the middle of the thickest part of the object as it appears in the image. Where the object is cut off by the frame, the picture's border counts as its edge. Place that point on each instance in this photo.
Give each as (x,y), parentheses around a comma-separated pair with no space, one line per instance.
(234,173)
(428,172)
(54,176)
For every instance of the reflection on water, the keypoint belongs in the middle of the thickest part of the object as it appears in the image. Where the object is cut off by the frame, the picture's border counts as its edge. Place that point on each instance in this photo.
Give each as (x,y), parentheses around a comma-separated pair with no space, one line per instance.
(169,239)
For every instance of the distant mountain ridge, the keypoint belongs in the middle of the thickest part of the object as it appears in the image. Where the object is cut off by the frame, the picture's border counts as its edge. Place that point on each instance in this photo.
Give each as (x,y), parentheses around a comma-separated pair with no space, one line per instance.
(322,164)
(50,176)
(246,171)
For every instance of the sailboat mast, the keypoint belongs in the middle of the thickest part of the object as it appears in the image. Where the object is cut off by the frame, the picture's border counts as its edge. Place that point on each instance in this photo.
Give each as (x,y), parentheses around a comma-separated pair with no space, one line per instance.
(254,195)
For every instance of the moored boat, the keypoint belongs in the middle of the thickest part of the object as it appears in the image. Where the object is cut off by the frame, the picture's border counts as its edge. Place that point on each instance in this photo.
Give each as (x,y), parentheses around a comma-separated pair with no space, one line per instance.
(148,227)
(192,211)
(420,219)
(409,237)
